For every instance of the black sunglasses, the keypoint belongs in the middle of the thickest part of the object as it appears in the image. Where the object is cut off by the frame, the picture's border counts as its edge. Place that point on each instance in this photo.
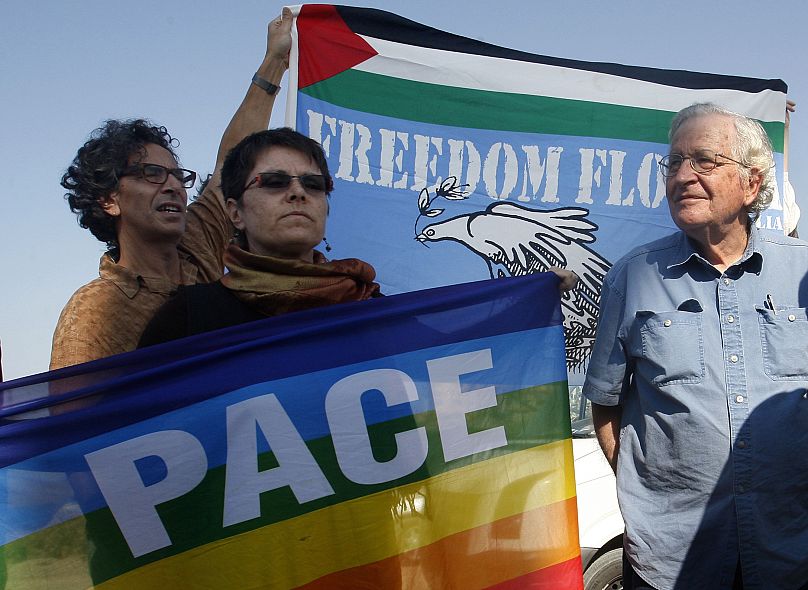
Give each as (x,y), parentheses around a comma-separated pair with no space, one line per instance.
(159,174)
(276,181)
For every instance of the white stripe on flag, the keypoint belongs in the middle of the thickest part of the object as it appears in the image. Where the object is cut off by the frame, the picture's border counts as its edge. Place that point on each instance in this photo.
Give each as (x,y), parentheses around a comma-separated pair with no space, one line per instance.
(479,72)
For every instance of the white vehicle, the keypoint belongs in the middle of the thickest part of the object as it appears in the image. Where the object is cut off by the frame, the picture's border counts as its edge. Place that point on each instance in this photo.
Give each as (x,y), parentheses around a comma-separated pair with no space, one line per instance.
(600,524)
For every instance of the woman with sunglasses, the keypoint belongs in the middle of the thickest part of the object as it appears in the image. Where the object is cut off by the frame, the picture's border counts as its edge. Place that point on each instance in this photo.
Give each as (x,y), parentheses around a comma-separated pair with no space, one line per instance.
(276,184)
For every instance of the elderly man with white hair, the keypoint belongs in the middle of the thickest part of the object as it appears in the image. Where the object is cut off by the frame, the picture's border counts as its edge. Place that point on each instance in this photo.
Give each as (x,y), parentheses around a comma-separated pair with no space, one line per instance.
(699,372)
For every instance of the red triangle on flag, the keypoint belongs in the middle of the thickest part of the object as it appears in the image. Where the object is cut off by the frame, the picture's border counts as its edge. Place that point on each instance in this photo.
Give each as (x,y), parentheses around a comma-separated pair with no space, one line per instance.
(326,45)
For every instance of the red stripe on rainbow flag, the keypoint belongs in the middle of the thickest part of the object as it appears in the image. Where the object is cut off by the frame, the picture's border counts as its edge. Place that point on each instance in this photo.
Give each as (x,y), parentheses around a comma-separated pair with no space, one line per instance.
(561,576)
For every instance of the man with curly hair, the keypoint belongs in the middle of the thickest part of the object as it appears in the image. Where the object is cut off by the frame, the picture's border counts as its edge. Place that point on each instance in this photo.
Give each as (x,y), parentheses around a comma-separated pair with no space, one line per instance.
(126,187)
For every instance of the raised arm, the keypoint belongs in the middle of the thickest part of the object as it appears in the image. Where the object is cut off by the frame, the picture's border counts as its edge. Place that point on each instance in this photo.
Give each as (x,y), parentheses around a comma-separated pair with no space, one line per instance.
(791,211)
(791,106)
(254,112)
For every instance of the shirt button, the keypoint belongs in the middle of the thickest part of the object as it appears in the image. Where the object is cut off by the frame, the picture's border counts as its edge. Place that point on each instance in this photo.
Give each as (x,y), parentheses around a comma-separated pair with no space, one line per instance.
(741,444)
(730,318)
(791,317)
(733,358)
(739,399)
(741,488)
(667,323)
(726,281)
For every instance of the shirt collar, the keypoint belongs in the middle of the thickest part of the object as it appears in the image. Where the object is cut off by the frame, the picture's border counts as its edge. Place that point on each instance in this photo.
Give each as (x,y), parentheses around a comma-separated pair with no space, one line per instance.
(130,282)
(751,261)
(120,276)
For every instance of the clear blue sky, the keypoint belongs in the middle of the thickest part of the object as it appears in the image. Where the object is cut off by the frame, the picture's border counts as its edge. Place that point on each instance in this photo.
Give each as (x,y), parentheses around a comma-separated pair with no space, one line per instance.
(68,66)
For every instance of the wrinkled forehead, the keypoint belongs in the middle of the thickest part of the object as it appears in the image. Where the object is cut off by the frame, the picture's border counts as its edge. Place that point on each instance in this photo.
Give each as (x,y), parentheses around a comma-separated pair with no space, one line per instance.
(704,132)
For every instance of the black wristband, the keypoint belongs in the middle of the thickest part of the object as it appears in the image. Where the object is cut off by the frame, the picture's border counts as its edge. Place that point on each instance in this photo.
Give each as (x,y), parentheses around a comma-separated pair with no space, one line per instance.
(265,85)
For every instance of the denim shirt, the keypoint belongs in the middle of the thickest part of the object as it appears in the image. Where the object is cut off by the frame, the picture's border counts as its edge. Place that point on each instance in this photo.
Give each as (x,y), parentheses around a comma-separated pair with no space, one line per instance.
(711,371)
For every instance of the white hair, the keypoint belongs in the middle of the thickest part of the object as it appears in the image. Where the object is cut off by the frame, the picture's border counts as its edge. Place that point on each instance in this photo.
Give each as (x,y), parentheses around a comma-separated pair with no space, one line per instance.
(751,147)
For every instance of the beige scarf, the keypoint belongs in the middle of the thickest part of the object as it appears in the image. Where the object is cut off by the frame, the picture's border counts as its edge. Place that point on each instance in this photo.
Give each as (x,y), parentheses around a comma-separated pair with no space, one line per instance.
(275,286)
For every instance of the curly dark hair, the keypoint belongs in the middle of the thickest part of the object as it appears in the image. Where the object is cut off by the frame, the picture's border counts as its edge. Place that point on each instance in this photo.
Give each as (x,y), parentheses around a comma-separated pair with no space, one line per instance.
(95,171)
(241,159)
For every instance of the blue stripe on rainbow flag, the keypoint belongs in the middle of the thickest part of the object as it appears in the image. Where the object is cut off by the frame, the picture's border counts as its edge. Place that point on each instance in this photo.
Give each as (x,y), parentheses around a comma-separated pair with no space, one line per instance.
(328,338)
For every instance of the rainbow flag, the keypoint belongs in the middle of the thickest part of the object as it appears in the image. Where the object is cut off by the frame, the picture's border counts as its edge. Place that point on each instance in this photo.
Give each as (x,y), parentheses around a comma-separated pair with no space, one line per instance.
(413,441)
(456,160)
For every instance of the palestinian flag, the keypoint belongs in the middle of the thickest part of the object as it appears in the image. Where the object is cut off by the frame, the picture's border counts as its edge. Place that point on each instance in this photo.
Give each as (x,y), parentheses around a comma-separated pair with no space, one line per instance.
(456,160)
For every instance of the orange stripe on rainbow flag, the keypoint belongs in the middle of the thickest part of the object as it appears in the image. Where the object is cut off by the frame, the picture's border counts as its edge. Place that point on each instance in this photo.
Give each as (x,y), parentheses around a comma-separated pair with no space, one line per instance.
(537,546)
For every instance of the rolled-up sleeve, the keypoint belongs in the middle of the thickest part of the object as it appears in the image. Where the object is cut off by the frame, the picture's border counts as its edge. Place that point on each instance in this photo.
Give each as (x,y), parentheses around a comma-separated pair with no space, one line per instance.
(207,232)
(609,369)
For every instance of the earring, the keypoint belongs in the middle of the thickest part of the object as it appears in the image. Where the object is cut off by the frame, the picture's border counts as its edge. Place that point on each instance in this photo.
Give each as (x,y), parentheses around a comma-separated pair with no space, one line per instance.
(327,245)
(239,239)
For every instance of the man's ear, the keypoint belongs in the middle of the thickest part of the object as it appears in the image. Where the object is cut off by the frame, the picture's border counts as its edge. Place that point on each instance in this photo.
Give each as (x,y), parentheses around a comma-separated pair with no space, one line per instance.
(234,213)
(753,186)
(110,205)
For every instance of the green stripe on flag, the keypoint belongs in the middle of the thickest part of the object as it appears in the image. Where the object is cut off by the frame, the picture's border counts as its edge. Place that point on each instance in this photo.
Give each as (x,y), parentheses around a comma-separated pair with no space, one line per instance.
(483,109)
(531,417)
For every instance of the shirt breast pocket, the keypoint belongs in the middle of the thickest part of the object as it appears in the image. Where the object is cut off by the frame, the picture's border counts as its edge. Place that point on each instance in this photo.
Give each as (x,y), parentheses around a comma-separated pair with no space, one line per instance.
(784,337)
(669,346)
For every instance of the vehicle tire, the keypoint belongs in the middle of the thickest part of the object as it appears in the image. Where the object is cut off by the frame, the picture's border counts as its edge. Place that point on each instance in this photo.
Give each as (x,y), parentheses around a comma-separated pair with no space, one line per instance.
(606,572)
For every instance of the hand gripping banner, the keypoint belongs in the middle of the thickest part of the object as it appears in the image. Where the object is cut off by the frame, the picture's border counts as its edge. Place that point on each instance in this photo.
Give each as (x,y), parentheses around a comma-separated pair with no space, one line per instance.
(415,441)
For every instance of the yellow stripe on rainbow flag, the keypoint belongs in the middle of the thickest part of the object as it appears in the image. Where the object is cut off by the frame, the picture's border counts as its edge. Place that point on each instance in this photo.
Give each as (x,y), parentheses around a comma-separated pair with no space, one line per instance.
(472,512)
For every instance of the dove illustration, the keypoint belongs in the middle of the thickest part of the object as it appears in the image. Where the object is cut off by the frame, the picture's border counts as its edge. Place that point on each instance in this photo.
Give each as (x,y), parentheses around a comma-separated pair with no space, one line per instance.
(525,241)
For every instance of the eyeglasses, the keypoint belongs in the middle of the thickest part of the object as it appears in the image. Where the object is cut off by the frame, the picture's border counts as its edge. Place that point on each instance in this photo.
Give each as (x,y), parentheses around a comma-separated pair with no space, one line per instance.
(702,162)
(278,181)
(159,174)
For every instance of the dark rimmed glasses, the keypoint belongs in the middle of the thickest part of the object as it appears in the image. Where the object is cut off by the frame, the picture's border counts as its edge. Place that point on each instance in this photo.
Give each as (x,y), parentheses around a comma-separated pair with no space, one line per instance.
(159,174)
(702,162)
(278,181)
